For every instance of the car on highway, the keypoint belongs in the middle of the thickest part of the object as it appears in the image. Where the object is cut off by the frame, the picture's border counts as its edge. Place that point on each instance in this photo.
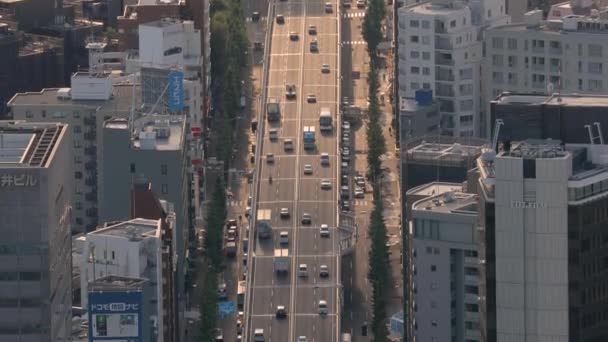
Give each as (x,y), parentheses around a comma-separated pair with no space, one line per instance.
(344,191)
(325,68)
(360,3)
(345,137)
(360,181)
(344,167)
(269,158)
(323,271)
(303,271)
(302,339)
(222,292)
(281,312)
(346,3)
(345,151)
(328,7)
(284,238)
(323,309)
(359,193)
(345,206)
(311,98)
(273,134)
(307,169)
(293,36)
(255,16)
(280,19)
(344,180)
(258,46)
(258,335)
(284,213)
(345,158)
(345,101)
(306,218)
(324,230)
(325,184)
(288,145)
(346,126)
(312,29)
(290,91)
(314,45)
(219,335)
(324,159)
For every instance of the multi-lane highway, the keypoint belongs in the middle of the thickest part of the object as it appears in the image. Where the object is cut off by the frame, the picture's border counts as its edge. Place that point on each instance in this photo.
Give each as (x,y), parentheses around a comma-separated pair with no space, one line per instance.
(290,61)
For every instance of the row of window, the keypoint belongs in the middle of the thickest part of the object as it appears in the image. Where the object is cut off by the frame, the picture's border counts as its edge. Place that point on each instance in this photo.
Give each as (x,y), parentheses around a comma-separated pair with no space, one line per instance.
(24,276)
(586,50)
(7,302)
(23,249)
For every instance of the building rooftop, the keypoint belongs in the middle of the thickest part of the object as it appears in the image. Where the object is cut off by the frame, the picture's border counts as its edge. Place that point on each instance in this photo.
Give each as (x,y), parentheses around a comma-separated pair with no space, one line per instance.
(28,144)
(448,203)
(154,132)
(120,101)
(134,230)
(436,8)
(164,22)
(434,188)
(596,21)
(113,282)
(555,99)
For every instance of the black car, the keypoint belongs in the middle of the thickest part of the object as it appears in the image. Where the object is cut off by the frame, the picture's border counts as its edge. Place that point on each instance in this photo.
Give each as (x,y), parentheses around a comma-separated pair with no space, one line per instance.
(345,206)
(344,180)
(281,312)
(255,16)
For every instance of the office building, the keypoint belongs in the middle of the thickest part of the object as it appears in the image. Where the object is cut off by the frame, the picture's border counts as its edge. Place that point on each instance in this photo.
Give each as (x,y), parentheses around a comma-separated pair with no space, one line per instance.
(439,50)
(559,116)
(143,11)
(152,147)
(84,107)
(119,310)
(35,207)
(543,209)
(566,54)
(134,248)
(443,266)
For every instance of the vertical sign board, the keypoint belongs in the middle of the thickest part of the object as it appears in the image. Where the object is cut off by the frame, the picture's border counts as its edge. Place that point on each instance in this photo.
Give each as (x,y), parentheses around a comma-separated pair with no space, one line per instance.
(115,316)
(176,90)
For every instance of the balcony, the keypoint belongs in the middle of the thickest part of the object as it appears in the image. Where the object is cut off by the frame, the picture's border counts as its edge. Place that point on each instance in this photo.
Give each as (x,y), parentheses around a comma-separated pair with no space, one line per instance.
(538,85)
(470,261)
(471,279)
(90,165)
(470,298)
(554,67)
(91,135)
(555,50)
(91,197)
(443,43)
(444,61)
(444,76)
(91,151)
(538,67)
(91,212)
(90,121)
(90,181)
(538,49)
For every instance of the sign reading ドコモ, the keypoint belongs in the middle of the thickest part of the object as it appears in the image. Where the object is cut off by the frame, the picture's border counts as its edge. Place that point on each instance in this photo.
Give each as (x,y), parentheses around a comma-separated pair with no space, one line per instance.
(116,315)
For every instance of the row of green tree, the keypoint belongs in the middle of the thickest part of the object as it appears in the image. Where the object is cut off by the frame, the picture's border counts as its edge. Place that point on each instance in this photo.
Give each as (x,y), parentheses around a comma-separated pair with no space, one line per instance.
(229,44)
(213,261)
(378,254)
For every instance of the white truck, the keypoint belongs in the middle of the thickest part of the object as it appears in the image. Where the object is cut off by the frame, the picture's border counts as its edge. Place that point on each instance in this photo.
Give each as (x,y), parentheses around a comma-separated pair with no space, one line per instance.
(262,225)
(325,120)
(281,261)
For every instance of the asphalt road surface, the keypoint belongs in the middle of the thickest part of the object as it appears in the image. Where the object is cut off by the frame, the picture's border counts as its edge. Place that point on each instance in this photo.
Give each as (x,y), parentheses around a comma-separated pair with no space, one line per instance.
(292,62)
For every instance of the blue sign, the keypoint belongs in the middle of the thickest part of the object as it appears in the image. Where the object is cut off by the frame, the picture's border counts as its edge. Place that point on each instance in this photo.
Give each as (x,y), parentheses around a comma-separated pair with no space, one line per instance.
(115,315)
(176,90)
(225,308)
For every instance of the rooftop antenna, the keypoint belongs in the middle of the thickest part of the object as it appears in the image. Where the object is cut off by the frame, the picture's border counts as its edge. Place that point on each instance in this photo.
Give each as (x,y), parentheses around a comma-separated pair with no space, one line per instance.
(599,136)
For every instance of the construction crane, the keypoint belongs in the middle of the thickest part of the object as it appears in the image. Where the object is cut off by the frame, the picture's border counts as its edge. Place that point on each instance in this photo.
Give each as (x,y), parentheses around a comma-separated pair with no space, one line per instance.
(497,125)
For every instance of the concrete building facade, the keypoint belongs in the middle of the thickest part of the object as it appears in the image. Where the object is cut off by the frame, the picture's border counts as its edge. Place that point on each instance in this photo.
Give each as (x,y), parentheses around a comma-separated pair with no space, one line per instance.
(35,206)
(566,54)
(443,267)
(542,206)
(439,50)
(84,107)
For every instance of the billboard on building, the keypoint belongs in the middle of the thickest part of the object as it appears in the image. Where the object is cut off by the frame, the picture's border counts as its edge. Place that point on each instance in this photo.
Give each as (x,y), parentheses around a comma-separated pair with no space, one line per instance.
(176,90)
(115,316)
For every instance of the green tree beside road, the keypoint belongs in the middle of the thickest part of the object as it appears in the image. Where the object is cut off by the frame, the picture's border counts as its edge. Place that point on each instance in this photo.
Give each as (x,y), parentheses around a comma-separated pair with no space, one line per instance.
(378,254)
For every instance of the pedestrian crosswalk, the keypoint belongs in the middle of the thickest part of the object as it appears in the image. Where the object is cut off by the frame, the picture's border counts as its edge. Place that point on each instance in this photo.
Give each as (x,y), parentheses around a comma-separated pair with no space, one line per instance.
(235,203)
(360,203)
(354,15)
(353,42)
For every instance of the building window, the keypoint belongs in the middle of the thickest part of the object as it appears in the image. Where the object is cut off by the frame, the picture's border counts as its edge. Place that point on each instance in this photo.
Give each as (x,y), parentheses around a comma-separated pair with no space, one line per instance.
(414,23)
(465,89)
(113,255)
(415,70)
(489,13)
(426,55)
(77,129)
(415,85)
(595,68)
(595,50)
(512,44)
(434,323)
(132,168)
(426,85)
(466,74)
(29,276)
(433,268)
(77,144)
(78,205)
(76,114)
(43,113)
(426,40)
(453,23)
(429,249)
(497,42)
(497,60)
(466,105)
(78,175)
(165,189)
(595,85)
(414,54)
(426,24)
(163,169)
(426,70)
(28,114)
(77,159)
(512,61)
(471,289)
(414,39)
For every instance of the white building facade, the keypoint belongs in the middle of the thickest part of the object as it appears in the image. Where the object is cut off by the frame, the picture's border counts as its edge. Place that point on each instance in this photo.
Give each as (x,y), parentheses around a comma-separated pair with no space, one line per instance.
(439,50)
(444,277)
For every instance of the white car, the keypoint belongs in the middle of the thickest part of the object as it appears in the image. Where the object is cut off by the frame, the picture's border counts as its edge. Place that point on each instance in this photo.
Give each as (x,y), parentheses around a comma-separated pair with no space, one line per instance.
(328,7)
(325,159)
(311,98)
(325,184)
(324,230)
(308,169)
(324,271)
(323,309)
(284,213)
(302,339)
(325,68)
(303,271)
(284,238)
(359,193)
